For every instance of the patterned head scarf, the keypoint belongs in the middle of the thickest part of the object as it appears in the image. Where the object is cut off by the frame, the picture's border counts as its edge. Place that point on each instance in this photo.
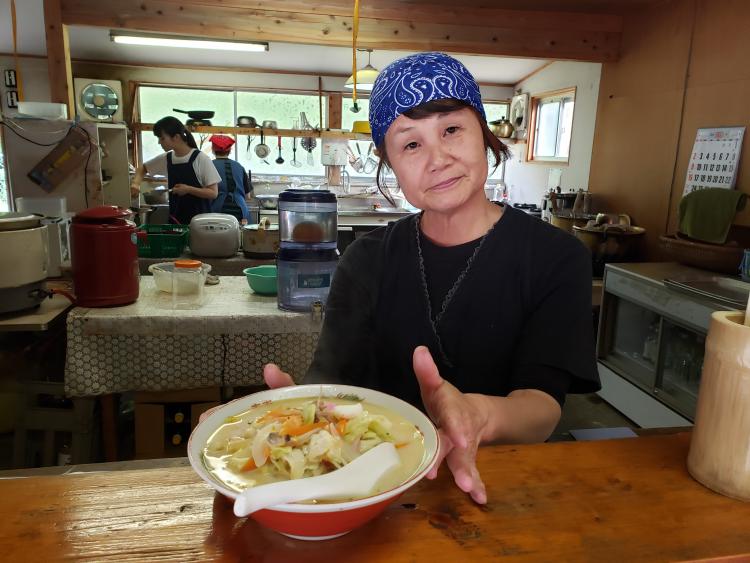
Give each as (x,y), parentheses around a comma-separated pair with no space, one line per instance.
(417,79)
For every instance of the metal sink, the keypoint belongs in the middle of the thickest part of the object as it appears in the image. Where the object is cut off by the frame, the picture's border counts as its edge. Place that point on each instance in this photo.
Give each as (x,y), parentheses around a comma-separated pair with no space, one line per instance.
(368,203)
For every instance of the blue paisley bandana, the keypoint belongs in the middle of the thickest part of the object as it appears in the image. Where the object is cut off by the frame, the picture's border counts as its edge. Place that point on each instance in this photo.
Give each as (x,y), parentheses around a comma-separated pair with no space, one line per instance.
(417,79)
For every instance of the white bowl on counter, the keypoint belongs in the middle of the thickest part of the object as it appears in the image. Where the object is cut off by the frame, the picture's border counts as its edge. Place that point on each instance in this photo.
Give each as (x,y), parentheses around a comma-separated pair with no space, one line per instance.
(163,271)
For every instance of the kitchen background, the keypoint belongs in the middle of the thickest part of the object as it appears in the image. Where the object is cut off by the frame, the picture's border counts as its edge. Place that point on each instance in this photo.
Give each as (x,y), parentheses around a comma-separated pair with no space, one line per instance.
(671,67)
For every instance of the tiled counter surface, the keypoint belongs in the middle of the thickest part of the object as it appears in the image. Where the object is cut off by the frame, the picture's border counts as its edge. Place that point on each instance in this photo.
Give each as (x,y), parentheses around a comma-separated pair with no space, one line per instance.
(148,346)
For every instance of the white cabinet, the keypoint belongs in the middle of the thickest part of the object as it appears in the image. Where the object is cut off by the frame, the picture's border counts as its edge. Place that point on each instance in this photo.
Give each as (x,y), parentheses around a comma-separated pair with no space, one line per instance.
(106,179)
(108,171)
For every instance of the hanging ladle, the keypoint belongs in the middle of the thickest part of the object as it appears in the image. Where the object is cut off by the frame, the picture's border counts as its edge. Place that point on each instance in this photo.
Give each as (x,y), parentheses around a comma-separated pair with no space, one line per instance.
(279,160)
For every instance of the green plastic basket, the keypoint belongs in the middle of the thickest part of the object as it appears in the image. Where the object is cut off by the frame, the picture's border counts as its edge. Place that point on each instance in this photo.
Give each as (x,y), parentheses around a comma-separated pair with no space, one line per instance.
(162,241)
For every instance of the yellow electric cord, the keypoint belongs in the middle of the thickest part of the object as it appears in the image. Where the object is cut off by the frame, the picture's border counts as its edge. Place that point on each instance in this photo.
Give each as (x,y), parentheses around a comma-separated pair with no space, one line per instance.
(355,31)
(19,84)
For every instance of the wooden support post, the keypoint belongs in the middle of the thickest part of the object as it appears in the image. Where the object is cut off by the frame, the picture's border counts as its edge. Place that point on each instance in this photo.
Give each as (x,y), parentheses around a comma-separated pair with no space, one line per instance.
(58,57)
(334,111)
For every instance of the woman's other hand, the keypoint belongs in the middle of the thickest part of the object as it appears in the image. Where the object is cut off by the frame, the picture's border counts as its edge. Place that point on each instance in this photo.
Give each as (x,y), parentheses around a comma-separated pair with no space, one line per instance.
(181,189)
(461,419)
(276,378)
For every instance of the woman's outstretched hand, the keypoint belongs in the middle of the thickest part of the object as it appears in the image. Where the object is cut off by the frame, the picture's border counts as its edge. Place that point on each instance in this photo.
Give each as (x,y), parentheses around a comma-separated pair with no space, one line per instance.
(461,420)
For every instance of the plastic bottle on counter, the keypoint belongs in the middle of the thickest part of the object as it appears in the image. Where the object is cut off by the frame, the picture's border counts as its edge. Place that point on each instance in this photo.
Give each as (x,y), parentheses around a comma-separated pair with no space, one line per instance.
(187,284)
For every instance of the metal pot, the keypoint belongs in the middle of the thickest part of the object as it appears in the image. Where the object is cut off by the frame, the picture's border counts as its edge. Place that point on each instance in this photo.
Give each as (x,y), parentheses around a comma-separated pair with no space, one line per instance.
(141,214)
(246,121)
(268,201)
(157,196)
(567,221)
(261,240)
(501,128)
(609,243)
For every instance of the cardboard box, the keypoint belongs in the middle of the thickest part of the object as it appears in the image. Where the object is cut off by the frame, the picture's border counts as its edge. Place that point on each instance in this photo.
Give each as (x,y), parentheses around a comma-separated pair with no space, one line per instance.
(163,421)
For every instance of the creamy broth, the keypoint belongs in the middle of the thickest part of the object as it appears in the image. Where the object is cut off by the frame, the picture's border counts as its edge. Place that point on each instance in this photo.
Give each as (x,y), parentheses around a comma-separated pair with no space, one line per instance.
(219,461)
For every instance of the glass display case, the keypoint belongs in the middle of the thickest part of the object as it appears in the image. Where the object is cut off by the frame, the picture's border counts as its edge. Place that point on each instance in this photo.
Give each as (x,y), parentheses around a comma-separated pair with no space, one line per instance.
(653,338)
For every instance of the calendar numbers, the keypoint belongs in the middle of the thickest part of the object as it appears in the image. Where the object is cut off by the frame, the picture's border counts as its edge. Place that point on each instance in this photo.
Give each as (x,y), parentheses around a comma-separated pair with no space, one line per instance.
(712,160)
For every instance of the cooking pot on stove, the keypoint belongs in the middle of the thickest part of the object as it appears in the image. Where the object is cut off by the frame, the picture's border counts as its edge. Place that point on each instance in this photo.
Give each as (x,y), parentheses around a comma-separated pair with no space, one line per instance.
(567,221)
(609,241)
(261,240)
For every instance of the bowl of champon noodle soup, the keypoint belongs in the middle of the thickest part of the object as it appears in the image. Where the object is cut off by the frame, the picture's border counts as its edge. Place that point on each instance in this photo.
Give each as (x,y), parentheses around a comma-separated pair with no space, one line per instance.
(308,430)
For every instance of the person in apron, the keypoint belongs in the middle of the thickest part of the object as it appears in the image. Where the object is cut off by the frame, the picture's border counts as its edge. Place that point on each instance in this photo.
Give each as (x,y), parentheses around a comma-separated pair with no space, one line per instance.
(191,177)
(234,181)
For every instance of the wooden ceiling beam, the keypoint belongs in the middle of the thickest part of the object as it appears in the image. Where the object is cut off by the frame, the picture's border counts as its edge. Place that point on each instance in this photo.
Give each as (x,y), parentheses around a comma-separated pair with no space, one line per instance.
(547,35)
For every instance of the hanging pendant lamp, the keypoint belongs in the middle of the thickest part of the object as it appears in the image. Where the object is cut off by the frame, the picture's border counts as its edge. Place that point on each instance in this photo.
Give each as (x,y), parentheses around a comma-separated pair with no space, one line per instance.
(365,76)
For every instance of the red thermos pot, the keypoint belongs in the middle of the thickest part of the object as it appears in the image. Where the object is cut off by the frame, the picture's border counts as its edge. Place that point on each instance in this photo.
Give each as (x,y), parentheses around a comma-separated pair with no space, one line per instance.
(104,256)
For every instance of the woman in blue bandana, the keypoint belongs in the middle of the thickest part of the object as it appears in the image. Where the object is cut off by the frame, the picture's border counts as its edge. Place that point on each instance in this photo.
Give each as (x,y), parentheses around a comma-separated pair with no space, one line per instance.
(477,312)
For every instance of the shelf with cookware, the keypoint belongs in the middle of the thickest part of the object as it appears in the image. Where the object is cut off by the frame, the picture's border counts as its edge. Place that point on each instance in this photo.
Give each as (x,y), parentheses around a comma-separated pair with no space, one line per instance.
(230,130)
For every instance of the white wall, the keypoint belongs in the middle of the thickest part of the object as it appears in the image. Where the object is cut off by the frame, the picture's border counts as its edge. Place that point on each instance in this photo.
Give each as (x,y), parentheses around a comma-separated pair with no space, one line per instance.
(34,76)
(528,182)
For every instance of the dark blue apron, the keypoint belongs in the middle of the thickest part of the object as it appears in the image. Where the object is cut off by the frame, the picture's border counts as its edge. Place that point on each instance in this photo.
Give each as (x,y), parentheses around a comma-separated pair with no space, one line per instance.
(182,208)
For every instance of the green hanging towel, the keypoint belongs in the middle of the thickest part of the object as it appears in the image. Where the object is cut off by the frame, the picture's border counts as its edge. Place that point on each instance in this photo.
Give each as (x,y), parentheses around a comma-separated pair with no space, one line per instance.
(706,215)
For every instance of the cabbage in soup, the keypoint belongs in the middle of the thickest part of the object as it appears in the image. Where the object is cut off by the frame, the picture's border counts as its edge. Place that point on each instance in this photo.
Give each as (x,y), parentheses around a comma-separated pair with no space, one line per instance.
(305,437)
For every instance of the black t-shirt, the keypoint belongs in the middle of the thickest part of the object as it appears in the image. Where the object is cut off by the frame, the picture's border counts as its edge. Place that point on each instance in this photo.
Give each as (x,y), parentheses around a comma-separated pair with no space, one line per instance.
(520,318)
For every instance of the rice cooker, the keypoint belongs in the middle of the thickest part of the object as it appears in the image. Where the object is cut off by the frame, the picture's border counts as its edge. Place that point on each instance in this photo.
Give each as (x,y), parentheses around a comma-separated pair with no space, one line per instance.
(214,235)
(24,248)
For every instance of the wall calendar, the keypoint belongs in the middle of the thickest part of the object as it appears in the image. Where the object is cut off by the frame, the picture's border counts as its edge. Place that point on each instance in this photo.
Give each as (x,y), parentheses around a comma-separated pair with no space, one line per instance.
(714,160)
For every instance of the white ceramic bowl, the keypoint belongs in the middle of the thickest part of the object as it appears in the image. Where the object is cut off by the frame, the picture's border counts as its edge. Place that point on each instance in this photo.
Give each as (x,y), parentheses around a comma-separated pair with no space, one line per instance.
(162,273)
(316,521)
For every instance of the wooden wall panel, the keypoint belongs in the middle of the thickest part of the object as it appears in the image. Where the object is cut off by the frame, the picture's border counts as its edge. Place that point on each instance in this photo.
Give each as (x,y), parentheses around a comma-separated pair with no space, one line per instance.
(639,114)
(718,92)
(684,65)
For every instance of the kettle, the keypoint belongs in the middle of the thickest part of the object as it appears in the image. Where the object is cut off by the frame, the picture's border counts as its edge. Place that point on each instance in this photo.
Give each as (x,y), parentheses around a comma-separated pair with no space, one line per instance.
(501,128)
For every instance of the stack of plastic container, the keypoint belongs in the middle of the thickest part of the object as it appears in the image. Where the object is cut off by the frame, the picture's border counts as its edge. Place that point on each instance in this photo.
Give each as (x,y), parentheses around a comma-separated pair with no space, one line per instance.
(307,258)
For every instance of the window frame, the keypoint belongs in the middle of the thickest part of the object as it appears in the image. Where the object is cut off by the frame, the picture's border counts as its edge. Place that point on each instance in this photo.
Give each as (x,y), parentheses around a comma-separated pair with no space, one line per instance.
(137,124)
(537,100)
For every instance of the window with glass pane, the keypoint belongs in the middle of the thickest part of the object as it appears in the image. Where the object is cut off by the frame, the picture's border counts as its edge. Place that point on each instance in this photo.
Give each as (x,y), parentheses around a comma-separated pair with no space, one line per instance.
(365,164)
(4,195)
(553,123)
(285,109)
(156,102)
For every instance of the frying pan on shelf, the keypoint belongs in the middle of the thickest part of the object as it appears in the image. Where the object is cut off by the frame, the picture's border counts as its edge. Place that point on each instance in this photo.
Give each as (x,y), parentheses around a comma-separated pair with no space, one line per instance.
(196,114)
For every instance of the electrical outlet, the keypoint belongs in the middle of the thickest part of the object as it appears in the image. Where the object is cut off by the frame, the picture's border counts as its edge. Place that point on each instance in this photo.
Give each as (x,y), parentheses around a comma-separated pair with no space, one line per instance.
(10,78)
(11,98)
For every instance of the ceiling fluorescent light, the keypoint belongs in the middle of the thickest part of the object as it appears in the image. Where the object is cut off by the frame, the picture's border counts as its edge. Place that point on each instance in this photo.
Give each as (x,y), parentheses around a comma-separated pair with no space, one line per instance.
(159,40)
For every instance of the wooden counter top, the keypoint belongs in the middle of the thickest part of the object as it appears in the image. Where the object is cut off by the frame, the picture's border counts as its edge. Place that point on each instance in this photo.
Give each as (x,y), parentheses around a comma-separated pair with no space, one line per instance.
(617,500)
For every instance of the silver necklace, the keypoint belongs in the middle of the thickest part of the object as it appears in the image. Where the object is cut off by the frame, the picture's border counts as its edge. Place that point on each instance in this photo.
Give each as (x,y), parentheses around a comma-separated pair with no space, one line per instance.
(434,321)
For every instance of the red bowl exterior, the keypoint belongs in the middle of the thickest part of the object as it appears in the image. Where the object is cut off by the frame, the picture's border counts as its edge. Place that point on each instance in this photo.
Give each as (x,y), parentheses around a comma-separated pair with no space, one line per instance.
(320,524)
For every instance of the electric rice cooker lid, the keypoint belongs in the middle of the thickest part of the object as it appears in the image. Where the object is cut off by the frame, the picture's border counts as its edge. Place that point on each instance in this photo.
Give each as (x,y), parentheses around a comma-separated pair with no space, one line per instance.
(13,221)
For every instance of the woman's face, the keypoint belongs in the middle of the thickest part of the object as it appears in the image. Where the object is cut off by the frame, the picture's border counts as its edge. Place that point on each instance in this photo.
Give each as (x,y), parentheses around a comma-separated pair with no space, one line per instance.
(167,142)
(440,161)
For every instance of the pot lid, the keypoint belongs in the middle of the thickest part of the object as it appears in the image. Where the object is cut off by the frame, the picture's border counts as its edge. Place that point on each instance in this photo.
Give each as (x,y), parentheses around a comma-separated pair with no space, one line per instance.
(102,214)
(307,195)
(12,221)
